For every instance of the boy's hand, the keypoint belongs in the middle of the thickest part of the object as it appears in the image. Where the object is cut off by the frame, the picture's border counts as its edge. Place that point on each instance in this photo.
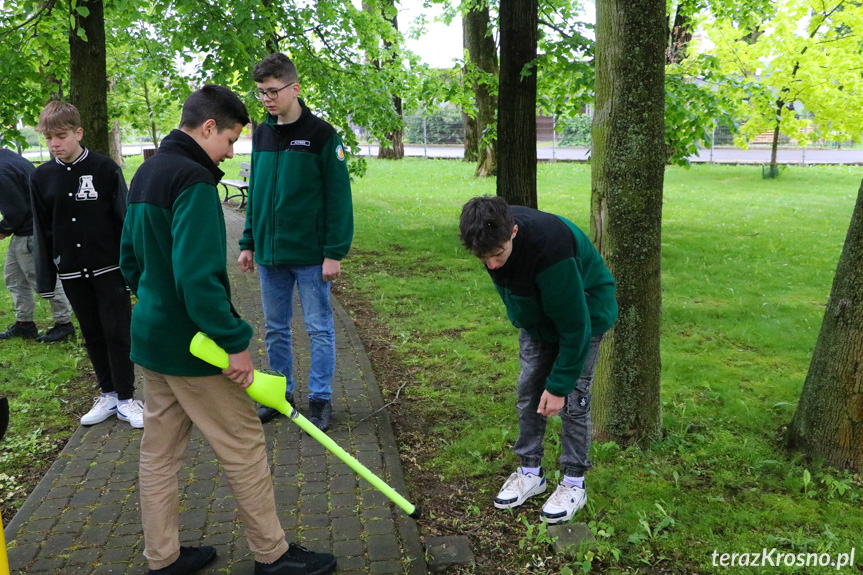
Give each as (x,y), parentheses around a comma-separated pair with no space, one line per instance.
(332,269)
(246,260)
(550,405)
(240,369)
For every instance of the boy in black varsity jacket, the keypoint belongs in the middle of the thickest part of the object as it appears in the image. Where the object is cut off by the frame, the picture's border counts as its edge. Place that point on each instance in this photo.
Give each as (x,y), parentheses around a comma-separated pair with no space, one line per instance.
(299,226)
(79,202)
(174,257)
(557,290)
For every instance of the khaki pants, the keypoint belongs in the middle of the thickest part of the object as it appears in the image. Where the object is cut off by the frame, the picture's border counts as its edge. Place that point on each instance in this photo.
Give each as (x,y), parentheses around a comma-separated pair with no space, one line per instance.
(226,417)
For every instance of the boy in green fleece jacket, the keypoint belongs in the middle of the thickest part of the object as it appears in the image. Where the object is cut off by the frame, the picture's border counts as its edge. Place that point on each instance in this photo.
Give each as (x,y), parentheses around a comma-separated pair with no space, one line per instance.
(557,290)
(174,257)
(299,226)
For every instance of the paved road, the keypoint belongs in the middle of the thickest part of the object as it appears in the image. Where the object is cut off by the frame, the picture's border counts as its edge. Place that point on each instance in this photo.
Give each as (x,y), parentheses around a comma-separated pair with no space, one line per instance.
(795,155)
(84,516)
(719,155)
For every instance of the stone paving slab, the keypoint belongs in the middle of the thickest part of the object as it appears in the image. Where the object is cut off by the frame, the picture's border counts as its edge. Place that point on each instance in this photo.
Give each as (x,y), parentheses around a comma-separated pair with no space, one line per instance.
(84,516)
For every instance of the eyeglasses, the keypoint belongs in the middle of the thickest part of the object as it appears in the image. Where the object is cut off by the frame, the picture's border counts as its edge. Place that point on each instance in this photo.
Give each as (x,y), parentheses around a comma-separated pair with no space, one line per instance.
(271,94)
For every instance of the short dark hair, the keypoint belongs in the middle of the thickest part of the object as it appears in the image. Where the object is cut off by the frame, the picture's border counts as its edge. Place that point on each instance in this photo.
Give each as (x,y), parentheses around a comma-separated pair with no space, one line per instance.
(278,66)
(214,102)
(485,224)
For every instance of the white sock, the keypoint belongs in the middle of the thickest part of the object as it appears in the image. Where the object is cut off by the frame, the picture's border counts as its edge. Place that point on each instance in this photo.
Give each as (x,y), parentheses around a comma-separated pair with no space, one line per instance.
(531,470)
(574,481)
(110,394)
(125,401)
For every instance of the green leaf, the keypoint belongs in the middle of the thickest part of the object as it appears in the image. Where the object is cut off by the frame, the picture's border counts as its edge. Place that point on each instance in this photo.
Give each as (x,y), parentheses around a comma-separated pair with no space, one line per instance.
(83,11)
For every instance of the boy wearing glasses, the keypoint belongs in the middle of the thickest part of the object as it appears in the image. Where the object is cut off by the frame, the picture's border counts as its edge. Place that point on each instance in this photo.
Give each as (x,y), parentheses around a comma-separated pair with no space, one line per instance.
(299,226)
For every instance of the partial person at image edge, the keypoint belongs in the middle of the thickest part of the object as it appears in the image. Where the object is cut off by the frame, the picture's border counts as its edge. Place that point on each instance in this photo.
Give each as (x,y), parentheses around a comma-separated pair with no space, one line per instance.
(20,269)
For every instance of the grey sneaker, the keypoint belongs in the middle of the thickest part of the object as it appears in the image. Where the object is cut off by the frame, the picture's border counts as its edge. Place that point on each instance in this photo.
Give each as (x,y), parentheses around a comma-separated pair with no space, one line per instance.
(25,329)
(320,413)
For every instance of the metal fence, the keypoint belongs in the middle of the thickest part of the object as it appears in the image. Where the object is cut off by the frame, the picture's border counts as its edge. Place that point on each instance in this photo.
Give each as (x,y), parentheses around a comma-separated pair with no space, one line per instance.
(570,132)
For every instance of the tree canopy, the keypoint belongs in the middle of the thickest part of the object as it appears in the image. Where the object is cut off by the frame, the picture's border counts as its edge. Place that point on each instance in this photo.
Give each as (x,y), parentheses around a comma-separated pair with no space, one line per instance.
(802,56)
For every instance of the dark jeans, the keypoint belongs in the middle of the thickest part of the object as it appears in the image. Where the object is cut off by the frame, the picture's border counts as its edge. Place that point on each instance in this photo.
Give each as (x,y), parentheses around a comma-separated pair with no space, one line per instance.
(104,310)
(537,359)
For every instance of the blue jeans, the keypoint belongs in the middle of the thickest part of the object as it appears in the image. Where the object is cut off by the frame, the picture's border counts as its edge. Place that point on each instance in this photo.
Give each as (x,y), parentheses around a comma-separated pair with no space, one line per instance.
(277,296)
(537,359)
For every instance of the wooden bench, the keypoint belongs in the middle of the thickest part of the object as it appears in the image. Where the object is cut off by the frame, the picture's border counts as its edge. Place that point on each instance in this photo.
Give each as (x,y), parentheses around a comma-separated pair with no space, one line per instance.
(239,185)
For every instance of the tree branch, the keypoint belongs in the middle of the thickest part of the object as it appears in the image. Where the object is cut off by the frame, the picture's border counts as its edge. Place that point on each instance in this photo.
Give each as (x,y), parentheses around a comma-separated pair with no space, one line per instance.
(398,391)
(47,6)
(556,28)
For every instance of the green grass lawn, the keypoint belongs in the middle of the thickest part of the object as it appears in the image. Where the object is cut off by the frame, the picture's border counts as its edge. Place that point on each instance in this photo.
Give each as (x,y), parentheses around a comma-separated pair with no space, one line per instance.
(747,268)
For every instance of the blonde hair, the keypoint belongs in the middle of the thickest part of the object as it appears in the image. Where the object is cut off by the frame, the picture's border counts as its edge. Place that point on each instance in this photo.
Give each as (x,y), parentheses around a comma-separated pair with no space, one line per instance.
(57,116)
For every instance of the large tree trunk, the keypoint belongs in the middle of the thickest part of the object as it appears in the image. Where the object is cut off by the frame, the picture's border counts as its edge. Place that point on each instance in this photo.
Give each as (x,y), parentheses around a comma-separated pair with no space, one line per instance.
(627,170)
(481,48)
(828,423)
(396,150)
(88,77)
(516,123)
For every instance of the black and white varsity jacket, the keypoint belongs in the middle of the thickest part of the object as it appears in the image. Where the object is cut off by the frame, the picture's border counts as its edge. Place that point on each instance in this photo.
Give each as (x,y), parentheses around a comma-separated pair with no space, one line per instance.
(78,213)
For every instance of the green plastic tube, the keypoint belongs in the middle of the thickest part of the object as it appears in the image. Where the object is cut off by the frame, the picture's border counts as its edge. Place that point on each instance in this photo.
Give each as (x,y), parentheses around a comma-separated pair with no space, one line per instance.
(268,388)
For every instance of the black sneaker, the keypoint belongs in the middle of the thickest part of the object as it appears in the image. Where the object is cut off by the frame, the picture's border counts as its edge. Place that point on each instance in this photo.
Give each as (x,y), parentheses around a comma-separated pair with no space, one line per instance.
(191,559)
(320,412)
(298,560)
(25,329)
(265,413)
(59,332)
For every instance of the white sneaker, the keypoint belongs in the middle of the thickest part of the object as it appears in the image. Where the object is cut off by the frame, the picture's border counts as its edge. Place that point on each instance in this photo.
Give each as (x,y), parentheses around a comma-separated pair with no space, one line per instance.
(518,488)
(563,503)
(103,408)
(131,410)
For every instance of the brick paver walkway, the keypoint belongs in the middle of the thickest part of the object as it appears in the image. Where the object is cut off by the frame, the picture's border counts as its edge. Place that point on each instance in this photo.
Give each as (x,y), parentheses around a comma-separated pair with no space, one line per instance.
(84,516)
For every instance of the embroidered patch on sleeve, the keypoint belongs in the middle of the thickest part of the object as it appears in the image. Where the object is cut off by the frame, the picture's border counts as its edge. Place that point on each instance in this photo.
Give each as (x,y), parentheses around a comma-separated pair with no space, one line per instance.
(340,153)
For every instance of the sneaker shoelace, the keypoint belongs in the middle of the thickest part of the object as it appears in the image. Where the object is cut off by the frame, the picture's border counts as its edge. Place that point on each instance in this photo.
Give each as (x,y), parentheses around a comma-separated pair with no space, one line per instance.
(101,402)
(517,482)
(299,552)
(563,495)
(132,407)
